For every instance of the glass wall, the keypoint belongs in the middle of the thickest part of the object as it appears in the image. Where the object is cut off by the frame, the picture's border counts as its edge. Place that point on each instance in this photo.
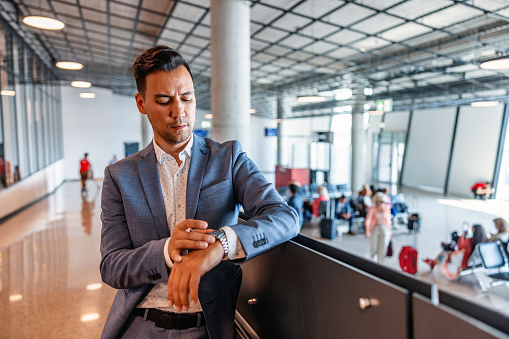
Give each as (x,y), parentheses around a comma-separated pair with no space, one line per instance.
(30,112)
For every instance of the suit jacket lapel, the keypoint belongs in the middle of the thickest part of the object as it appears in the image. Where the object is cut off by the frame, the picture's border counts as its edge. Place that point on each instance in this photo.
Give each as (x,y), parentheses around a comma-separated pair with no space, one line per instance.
(149,176)
(199,158)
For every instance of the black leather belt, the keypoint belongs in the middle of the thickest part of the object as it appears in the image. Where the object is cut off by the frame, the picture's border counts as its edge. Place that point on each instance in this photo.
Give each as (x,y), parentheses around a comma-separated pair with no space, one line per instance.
(172,321)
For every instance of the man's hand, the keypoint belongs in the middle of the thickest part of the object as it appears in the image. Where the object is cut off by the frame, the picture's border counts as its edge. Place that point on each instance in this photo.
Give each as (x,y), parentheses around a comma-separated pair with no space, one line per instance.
(189,235)
(185,276)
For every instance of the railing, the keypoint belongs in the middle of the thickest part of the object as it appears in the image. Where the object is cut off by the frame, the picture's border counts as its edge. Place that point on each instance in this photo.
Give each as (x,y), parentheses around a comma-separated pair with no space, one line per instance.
(308,289)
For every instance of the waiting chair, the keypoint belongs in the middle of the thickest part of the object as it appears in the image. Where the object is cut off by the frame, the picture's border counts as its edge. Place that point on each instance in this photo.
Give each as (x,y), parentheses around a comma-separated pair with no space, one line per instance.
(494,265)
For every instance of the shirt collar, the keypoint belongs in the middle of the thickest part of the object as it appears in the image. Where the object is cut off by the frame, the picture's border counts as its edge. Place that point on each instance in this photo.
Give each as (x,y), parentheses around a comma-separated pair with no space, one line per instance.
(160,153)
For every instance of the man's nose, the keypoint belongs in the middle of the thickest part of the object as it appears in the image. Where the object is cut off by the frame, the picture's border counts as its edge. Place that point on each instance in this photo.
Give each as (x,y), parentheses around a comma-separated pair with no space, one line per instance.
(177,109)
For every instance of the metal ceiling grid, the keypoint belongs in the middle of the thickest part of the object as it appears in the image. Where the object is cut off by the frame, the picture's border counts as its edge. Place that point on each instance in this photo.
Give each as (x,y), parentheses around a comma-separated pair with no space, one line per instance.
(296,44)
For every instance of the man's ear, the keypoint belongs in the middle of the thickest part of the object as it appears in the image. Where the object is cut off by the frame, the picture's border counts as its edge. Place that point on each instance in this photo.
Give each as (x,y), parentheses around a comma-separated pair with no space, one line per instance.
(140,103)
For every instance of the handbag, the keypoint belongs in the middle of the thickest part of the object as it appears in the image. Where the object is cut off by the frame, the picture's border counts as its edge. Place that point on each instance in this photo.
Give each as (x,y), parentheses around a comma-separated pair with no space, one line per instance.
(390,250)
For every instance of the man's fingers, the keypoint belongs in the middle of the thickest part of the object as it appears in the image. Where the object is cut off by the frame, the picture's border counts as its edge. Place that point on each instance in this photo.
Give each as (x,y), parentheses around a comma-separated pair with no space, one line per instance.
(194,282)
(175,256)
(191,224)
(183,291)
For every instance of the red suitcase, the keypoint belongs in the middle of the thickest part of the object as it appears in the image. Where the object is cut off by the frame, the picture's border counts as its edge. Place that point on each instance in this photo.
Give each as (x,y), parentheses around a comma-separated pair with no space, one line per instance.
(408,259)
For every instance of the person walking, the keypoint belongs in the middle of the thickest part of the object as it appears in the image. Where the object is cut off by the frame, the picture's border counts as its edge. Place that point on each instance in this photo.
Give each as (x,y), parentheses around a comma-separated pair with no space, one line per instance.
(84,168)
(378,227)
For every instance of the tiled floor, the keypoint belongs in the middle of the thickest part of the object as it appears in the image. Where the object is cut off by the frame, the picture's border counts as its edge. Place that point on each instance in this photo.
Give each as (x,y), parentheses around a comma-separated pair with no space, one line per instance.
(50,285)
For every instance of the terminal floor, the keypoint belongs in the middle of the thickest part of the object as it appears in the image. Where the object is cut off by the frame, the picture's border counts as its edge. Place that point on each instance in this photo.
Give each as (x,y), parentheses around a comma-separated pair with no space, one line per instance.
(50,285)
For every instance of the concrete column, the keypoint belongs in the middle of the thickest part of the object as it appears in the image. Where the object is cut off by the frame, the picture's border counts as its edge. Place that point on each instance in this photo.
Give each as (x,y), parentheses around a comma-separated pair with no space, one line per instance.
(230,70)
(146,131)
(358,142)
(280,113)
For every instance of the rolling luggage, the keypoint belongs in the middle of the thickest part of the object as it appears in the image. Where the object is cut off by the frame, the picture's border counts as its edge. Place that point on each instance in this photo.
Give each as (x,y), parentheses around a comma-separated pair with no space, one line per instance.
(328,222)
(408,259)
(414,222)
(414,217)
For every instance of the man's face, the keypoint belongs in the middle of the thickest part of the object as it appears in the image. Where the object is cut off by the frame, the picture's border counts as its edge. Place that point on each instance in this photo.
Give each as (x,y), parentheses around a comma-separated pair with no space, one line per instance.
(170,105)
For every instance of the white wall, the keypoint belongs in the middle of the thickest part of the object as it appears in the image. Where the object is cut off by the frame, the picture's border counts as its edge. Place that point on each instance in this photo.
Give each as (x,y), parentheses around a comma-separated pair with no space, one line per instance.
(428,148)
(396,121)
(263,149)
(99,126)
(31,188)
(475,147)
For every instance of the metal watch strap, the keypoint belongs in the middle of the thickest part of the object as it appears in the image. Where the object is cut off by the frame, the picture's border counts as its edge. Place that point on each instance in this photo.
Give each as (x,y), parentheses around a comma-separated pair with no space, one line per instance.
(221,236)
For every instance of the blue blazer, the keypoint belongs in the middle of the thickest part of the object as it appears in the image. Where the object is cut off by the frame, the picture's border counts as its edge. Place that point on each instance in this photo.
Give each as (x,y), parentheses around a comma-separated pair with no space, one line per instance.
(221,179)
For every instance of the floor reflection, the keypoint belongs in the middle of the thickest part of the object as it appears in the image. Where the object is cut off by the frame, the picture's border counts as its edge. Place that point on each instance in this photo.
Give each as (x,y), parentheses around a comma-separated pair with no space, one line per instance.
(50,286)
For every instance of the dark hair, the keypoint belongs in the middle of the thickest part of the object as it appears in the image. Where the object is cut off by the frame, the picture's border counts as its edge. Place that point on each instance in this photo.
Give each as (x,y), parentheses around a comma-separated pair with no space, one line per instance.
(342,197)
(158,58)
(294,188)
(86,154)
(478,235)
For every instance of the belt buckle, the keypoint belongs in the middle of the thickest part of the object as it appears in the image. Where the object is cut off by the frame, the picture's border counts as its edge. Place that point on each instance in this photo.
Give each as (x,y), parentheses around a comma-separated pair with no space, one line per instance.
(168,321)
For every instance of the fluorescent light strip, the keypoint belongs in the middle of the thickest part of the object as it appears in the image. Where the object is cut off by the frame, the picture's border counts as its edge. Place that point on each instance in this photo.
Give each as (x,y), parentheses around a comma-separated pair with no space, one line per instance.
(87,95)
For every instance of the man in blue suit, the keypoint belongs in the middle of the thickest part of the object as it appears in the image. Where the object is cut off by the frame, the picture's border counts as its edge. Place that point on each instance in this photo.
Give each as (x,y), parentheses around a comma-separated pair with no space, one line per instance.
(170,232)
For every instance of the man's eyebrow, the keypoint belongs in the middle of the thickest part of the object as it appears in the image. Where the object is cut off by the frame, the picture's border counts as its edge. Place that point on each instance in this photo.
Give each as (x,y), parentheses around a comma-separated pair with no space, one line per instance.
(163,96)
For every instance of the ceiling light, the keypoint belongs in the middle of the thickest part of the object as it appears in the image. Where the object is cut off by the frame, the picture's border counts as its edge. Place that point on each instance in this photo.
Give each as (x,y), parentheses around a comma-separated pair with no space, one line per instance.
(69,65)
(96,286)
(7,92)
(278,121)
(208,116)
(484,103)
(343,94)
(205,124)
(367,107)
(252,111)
(368,91)
(87,95)
(375,112)
(497,63)
(81,84)
(310,98)
(43,22)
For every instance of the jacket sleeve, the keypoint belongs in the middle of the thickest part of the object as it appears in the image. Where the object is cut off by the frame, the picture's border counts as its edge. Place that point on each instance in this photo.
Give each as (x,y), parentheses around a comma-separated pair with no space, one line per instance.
(124,265)
(272,221)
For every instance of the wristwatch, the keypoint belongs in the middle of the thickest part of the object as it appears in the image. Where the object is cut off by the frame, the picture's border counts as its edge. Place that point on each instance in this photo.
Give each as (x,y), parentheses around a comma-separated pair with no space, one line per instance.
(221,236)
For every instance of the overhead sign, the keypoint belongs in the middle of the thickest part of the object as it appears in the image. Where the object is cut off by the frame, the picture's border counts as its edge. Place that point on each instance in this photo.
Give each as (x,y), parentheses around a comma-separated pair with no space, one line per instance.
(384,105)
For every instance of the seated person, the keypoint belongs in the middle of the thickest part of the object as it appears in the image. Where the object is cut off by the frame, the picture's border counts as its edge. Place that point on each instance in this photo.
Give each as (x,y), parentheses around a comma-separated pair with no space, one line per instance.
(324,196)
(344,211)
(482,190)
(502,234)
(450,263)
(296,201)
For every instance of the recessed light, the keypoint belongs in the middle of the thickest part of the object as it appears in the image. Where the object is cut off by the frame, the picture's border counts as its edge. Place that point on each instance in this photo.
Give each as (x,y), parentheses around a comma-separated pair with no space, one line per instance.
(311,98)
(7,92)
(484,103)
(497,63)
(252,111)
(81,84)
(208,116)
(43,22)
(69,65)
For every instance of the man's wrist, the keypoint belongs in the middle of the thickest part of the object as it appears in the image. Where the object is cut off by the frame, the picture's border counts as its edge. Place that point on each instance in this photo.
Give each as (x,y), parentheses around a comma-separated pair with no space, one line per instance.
(220,236)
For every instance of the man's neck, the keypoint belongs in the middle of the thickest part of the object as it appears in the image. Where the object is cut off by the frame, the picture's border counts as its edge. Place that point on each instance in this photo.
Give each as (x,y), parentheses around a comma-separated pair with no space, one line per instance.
(172,149)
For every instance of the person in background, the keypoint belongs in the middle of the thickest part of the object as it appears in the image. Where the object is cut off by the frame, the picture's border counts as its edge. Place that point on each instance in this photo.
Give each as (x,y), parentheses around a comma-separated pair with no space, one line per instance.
(16,176)
(323,196)
(296,201)
(502,234)
(84,168)
(482,190)
(113,160)
(344,211)
(378,227)
(450,263)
